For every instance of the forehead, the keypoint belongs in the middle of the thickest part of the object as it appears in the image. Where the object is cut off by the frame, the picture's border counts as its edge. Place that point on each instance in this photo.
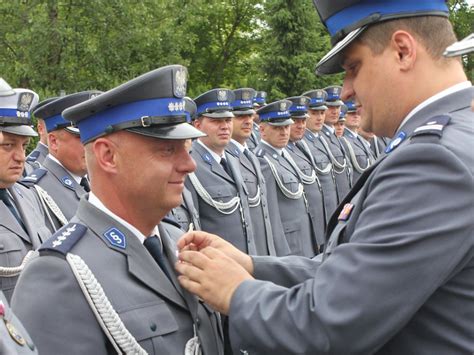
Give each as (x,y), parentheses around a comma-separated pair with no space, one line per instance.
(10,137)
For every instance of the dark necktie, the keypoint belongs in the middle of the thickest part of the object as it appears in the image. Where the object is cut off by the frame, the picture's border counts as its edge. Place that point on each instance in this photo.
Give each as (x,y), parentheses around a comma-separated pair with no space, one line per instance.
(226,167)
(85,184)
(8,202)
(155,248)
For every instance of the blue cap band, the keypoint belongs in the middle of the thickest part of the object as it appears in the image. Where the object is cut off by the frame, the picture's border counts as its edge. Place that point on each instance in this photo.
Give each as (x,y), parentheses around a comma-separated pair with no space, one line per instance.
(55,122)
(213,106)
(259,100)
(12,112)
(242,103)
(98,124)
(355,13)
(268,116)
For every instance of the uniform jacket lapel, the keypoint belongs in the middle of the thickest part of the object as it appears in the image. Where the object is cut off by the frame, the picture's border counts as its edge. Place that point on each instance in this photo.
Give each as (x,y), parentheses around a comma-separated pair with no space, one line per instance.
(60,172)
(24,209)
(139,262)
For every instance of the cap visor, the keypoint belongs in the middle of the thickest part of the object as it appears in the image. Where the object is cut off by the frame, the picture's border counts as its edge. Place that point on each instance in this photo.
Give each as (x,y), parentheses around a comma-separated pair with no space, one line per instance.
(319,108)
(73,130)
(22,130)
(243,112)
(334,103)
(331,62)
(221,114)
(179,131)
(281,123)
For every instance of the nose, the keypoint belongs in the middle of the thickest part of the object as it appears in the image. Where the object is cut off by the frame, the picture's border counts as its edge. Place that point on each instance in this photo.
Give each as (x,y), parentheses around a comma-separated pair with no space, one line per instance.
(186,163)
(347,89)
(19,154)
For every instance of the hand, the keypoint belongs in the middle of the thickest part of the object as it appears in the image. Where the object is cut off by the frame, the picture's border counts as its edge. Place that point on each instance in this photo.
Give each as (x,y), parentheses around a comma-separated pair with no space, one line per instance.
(211,275)
(200,240)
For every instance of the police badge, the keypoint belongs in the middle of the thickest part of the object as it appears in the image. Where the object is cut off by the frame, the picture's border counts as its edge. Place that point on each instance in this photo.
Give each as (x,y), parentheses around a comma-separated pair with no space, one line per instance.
(24,101)
(283,106)
(246,95)
(180,79)
(222,95)
(303,101)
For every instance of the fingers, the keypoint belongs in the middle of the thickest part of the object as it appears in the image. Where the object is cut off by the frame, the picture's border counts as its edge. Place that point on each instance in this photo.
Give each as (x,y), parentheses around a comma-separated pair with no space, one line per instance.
(198,239)
(195,258)
(190,285)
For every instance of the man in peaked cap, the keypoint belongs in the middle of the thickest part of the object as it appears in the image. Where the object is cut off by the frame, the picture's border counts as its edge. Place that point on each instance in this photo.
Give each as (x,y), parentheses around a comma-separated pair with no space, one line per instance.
(282,175)
(313,143)
(37,155)
(339,126)
(259,100)
(134,137)
(266,222)
(61,181)
(186,214)
(341,163)
(305,165)
(357,149)
(397,276)
(219,192)
(22,220)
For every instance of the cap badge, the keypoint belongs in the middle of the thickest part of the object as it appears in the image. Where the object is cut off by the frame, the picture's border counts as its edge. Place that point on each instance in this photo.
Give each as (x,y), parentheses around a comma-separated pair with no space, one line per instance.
(24,101)
(222,95)
(180,83)
(246,95)
(282,106)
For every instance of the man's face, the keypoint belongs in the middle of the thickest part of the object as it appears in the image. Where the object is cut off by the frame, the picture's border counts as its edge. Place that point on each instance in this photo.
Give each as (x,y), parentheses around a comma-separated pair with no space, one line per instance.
(276,136)
(12,158)
(152,171)
(242,128)
(297,129)
(316,119)
(353,121)
(332,115)
(366,81)
(339,128)
(68,149)
(218,130)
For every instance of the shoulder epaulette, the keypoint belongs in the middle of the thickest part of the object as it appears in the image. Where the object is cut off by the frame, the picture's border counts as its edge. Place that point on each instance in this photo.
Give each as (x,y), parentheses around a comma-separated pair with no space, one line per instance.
(34,177)
(173,222)
(64,239)
(434,126)
(260,153)
(233,151)
(34,155)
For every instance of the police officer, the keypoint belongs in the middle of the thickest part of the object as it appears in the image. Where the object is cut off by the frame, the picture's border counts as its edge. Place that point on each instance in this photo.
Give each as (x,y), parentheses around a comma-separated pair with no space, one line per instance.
(186,214)
(22,220)
(339,126)
(61,181)
(282,175)
(305,163)
(314,144)
(219,192)
(266,222)
(341,164)
(398,272)
(37,155)
(358,151)
(259,100)
(104,283)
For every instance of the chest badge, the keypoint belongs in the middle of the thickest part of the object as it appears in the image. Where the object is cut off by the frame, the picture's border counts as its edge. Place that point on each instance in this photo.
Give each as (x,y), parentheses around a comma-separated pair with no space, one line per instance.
(346,212)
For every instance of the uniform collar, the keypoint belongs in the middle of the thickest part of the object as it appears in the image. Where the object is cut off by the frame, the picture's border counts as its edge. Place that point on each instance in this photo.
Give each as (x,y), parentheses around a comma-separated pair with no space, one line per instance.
(76,178)
(278,150)
(94,200)
(455,88)
(329,128)
(239,146)
(216,156)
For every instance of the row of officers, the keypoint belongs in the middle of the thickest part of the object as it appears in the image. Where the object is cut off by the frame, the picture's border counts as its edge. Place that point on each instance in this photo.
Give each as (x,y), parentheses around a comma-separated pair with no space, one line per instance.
(267,177)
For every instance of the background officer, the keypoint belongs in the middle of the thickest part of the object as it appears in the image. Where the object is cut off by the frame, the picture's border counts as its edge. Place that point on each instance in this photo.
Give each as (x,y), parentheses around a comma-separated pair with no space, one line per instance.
(397,276)
(281,174)
(341,164)
(37,155)
(305,165)
(259,100)
(266,222)
(313,143)
(134,137)
(62,176)
(219,193)
(357,150)
(22,220)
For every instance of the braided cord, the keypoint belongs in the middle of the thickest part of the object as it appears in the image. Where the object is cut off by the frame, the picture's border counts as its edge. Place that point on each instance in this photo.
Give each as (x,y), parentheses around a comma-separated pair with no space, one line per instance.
(110,322)
(16,270)
(333,159)
(223,207)
(291,195)
(47,200)
(353,158)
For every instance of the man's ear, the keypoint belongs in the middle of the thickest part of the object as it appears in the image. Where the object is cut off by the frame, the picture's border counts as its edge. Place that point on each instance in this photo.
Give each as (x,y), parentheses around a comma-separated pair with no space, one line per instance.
(405,47)
(105,152)
(53,141)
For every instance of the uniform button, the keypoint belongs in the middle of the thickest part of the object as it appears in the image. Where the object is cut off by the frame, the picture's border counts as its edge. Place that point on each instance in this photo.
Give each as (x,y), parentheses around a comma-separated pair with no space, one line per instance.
(197,322)
(153,327)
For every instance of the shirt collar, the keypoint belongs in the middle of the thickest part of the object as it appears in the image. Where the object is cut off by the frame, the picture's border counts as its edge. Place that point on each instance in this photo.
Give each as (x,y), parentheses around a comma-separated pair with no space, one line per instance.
(239,146)
(354,133)
(455,88)
(94,200)
(216,156)
(278,150)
